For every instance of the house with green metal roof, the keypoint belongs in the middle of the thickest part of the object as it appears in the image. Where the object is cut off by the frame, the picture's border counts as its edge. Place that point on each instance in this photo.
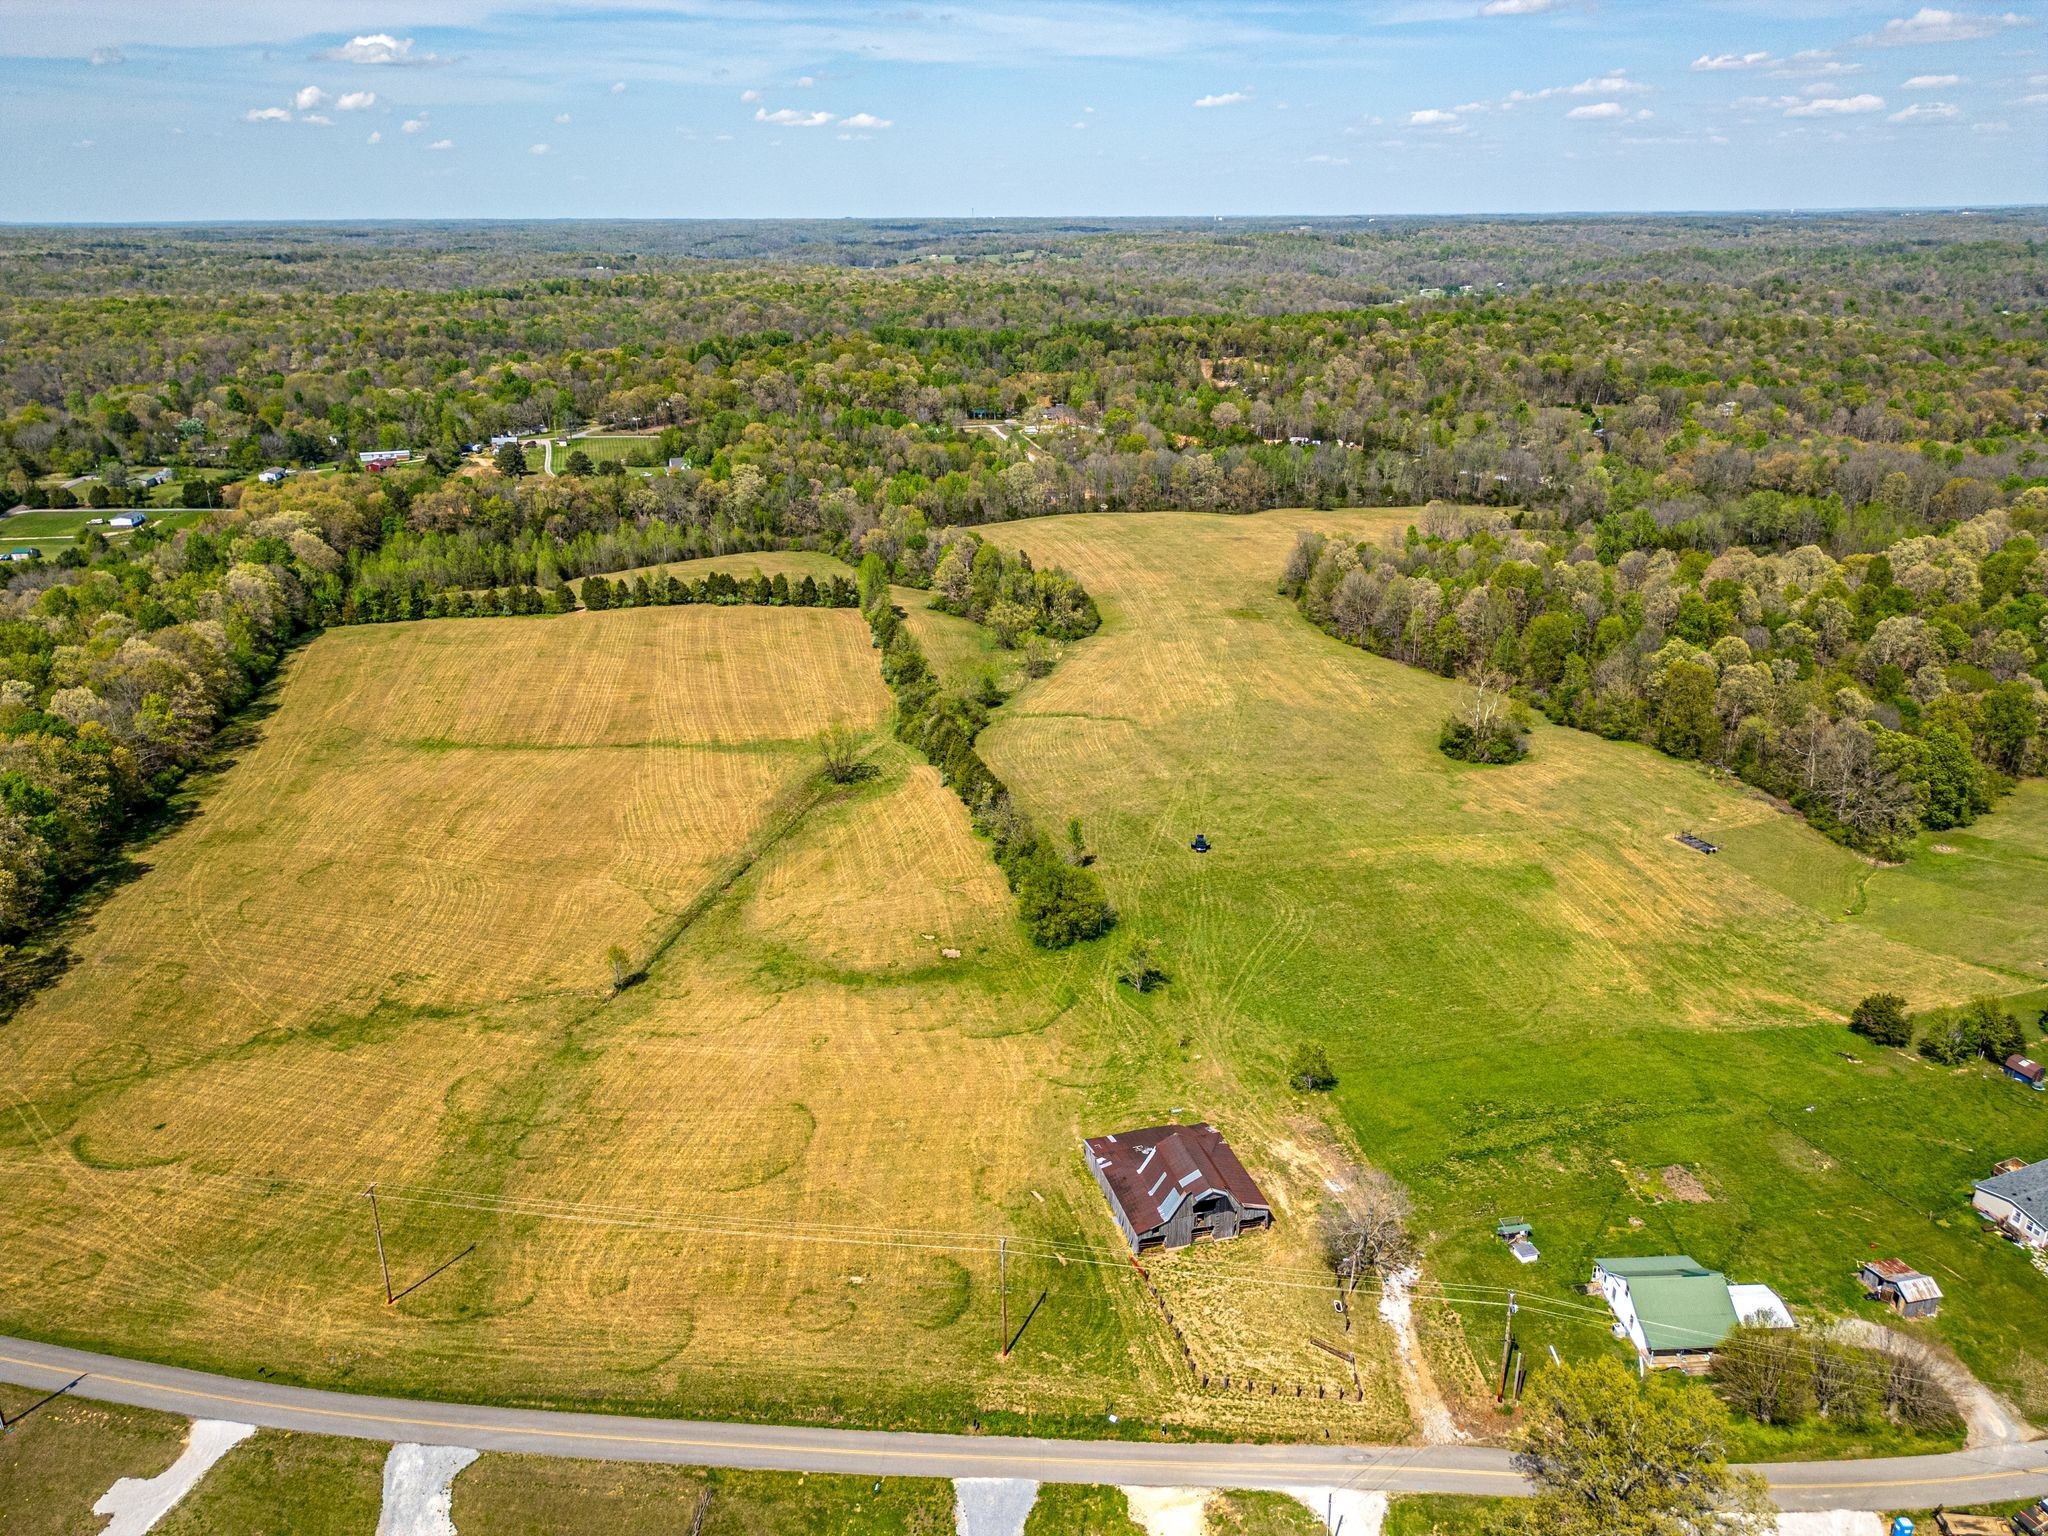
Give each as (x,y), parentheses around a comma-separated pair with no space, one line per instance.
(1676,1311)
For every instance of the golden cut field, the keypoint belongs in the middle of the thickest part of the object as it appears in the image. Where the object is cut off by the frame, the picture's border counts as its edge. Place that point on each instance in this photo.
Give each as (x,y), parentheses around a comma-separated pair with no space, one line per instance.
(767,1178)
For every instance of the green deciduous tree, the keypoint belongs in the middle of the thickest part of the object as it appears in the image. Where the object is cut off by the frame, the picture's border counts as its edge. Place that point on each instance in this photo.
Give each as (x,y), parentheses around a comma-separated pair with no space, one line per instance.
(1610,1456)
(1881,1018)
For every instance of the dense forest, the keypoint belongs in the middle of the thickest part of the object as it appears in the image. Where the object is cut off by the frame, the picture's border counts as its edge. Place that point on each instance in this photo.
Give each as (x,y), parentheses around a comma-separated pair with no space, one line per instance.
(1879,693)
(1763,491)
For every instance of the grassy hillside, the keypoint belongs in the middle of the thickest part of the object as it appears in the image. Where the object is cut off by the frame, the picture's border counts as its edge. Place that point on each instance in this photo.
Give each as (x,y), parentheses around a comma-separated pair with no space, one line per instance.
(1535,998)
(766,1178)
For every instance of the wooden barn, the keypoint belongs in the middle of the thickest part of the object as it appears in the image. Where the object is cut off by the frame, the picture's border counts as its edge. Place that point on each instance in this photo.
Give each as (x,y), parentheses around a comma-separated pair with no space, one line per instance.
(1172,1185)
(1901,1287)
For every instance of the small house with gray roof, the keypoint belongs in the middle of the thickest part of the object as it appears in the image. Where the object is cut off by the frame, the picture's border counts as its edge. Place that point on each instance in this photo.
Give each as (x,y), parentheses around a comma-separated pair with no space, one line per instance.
(2017,1200)
(1172,1185)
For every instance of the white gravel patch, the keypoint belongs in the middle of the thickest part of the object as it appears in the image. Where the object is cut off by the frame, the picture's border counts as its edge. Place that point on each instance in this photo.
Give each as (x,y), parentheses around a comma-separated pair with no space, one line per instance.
(992,1506)
(137,1503)
(1170,1511)
(417,1489)
(1834,1522)
(1346,1511)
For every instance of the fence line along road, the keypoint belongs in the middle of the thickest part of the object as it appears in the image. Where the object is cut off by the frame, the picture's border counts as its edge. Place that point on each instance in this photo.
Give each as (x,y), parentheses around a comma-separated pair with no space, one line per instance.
(1961,1477)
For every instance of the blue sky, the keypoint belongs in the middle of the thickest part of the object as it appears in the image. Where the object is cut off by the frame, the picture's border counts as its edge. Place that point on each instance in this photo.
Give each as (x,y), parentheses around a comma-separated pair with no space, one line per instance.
(350,109)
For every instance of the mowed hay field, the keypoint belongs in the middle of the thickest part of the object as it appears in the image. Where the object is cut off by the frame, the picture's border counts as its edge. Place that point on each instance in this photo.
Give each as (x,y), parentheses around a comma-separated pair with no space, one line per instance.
(767,1178)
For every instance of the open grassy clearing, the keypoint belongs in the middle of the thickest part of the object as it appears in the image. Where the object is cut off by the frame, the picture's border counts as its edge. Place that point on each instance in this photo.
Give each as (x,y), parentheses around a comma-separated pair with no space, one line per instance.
(63,1456)
(1533,995)
(766,1179)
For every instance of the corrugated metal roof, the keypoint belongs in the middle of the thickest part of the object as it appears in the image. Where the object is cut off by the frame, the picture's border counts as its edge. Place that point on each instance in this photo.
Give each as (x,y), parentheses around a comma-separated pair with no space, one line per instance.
(1183,1162)
(1918,1288)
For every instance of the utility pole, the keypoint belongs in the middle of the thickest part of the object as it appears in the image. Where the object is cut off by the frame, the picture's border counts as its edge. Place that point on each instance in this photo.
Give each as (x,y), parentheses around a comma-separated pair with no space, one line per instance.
(1003,1284)
(1507,1341)
(370,1194)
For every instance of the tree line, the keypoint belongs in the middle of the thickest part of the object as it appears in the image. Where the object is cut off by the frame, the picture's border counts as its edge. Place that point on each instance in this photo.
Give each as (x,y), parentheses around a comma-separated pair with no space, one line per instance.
(1879,692)
(1060,899)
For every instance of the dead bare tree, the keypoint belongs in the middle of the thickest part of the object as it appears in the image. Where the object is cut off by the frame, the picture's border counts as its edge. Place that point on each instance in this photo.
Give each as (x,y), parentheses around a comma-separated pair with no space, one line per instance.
(1365,1227)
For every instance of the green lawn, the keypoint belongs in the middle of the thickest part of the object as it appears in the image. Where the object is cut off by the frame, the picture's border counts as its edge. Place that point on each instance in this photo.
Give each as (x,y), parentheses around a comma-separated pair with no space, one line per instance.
(57,1462)
(541,1496)
(275,1484)
(602,449)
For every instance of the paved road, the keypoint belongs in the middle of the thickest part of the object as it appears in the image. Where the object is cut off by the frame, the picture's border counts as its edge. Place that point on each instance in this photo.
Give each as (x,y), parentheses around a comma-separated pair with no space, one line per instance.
(2002,1472)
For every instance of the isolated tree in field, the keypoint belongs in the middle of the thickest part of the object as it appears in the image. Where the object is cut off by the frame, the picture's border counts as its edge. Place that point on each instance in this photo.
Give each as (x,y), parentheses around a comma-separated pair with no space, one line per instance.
(839,746)
(1491,727)
(621,964)
(1881,1019)
(578,463)
(1365,1227)
(1139,969)
(1077,845)
(1309,1068)
(1612,1457)
(511,460)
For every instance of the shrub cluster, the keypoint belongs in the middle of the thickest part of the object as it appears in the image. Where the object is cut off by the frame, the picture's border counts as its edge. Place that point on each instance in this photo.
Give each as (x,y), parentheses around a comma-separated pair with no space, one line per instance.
(1983,1027)
(974,579)
(1783,1376)
(1061,903)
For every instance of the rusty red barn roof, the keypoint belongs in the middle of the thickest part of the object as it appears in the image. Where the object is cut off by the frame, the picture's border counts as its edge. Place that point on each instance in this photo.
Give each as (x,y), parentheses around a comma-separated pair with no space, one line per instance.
(1147,1169)
(1891,1269)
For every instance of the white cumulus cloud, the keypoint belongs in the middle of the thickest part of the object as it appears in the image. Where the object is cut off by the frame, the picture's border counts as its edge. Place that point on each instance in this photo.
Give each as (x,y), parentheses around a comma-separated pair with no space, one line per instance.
(356,101)
(790,117)
(1518,7)
(267,115)
(1930,24)
(1601,111)
(1933,82)
(1927,111)
(413,124)
(1837,106)
(309,97)
(442,144)
(375,138)
(378,48)
(866,120)
(750,96)
(618,87)
(1431,117)
(1730,60)
(1223,99)
(537,149)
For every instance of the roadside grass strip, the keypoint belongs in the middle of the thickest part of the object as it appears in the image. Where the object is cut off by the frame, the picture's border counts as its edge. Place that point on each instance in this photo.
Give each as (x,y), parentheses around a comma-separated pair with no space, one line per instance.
(138,1503)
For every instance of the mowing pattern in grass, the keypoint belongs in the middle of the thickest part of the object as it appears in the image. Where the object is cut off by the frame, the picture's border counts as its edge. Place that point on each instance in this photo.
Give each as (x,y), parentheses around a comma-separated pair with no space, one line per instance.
(766,1178)
(1528,987)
